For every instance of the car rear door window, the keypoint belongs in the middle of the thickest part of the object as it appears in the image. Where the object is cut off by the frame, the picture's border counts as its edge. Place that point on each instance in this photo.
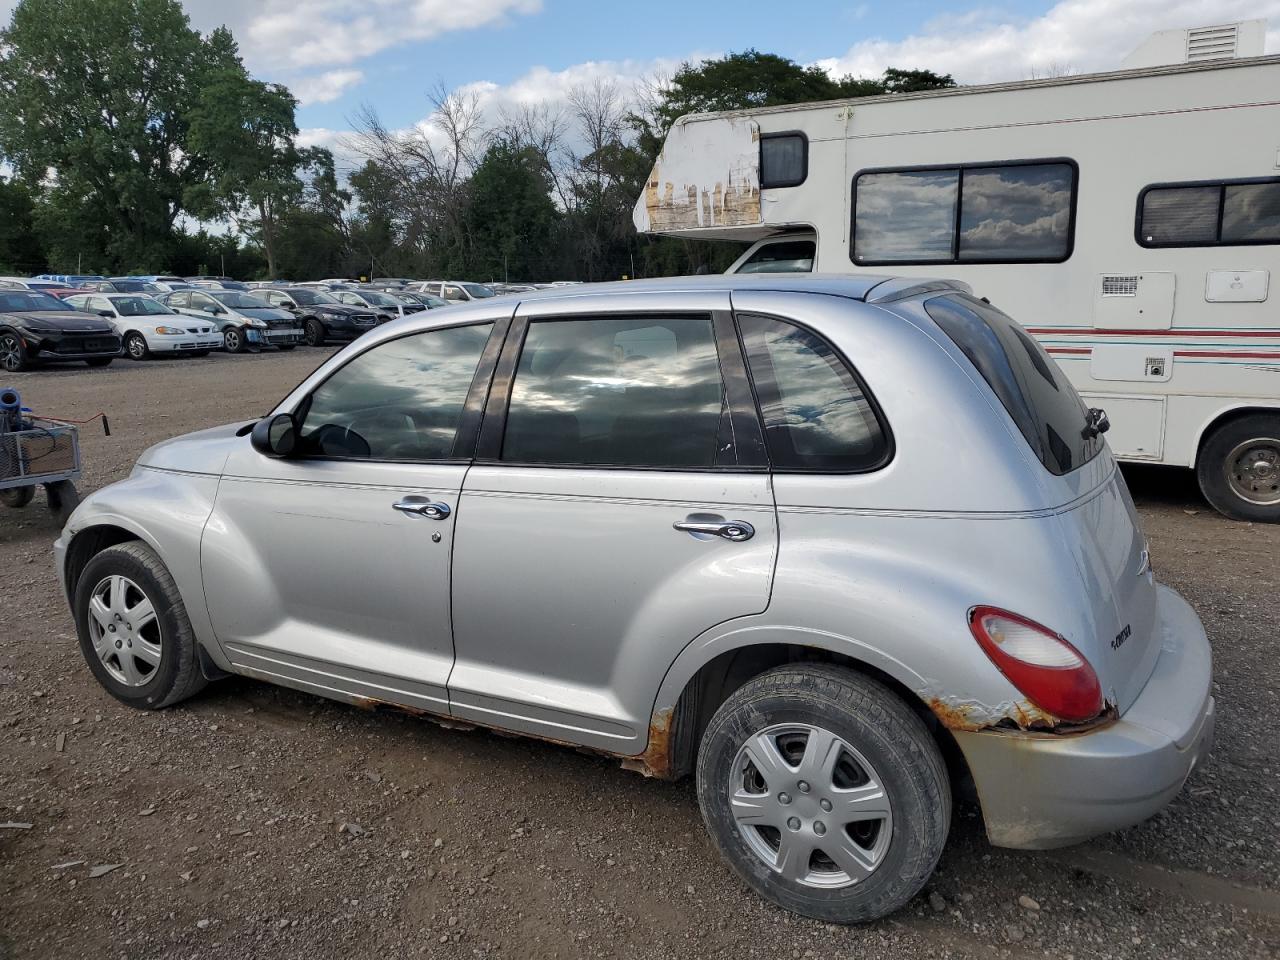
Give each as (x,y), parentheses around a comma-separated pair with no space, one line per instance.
(817,415)
(1038,397)
(642,392)
(400,400)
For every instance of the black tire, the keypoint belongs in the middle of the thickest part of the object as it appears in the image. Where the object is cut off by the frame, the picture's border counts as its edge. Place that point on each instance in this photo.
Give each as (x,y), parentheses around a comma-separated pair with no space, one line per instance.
(234,340)
(135,346)
(13,353)
(313,332)
(1248,449)
(63,499)
(17,497)
(178,674)
(902,756)
(100,361)
(286,347)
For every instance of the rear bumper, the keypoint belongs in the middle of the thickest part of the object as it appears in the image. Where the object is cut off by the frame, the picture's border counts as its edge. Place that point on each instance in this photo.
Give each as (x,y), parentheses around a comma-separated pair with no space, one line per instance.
(1040,790)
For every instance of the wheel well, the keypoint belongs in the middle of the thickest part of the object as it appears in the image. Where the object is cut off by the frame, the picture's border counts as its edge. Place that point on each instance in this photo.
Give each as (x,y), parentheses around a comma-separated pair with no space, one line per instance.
(1229,416)
(86,545)
(716,681)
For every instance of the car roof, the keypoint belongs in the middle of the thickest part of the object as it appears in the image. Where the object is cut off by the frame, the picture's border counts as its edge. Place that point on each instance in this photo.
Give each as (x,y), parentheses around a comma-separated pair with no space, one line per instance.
(854,287)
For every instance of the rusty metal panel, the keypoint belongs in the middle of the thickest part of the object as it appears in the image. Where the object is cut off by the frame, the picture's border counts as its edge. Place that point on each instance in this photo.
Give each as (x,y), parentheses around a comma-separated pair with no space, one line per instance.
(708,175)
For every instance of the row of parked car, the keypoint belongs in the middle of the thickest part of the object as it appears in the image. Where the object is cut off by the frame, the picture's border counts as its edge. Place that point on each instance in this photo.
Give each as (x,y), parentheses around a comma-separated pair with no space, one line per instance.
(96,319)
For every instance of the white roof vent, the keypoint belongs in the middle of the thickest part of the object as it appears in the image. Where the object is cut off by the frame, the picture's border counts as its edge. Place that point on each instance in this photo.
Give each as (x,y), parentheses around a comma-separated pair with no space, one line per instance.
(1225,41)
(1212,43)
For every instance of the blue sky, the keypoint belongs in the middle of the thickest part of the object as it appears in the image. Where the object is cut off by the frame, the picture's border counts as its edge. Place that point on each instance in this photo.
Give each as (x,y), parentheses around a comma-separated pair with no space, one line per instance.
(336,55)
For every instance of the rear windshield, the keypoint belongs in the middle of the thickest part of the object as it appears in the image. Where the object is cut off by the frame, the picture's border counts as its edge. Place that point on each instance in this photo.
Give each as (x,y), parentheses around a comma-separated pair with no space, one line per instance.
(1046,408)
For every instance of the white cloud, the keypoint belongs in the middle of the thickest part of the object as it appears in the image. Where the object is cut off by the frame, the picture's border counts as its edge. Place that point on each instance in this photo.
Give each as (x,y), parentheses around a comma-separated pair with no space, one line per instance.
(983,45)
(324,87)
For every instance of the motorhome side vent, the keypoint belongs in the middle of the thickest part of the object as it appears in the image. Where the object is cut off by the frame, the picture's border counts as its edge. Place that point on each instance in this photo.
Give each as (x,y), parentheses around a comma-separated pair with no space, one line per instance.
(1212,43)
(1120,286)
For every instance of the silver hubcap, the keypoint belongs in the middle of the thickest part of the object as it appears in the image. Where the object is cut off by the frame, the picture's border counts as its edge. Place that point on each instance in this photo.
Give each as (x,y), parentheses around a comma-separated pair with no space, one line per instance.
(137,347)
(124,630)
(233,340)
(810,806)
(1253,470)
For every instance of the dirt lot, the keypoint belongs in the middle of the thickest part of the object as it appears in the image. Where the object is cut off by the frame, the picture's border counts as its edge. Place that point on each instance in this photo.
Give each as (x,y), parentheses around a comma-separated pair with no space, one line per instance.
(226,814)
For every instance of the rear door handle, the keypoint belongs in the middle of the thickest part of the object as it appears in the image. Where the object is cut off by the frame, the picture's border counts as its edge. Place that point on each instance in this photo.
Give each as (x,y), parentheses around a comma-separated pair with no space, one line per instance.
(422,507)
(735,530)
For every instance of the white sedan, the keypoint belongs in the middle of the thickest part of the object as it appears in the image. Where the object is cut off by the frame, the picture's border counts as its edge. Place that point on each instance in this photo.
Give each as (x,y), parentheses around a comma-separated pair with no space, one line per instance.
(147,326)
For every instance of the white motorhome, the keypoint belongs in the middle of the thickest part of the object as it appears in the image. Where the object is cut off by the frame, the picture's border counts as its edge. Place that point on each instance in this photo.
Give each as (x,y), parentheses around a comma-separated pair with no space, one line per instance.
(1129,220)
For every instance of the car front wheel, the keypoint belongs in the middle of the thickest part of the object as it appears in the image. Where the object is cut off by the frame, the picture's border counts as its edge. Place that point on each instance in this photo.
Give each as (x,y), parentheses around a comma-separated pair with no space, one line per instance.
(13,354)
(234,340)
(313,333)
(824,792)
(133,628)
(135,344)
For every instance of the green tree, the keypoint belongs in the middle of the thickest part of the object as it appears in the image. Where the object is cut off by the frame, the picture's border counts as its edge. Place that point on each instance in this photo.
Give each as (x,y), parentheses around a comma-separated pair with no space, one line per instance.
(511,218)
(246,132)
(21,250)
(97,93)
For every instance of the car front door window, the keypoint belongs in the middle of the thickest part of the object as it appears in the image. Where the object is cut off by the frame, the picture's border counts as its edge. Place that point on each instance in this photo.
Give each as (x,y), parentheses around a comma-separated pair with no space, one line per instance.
(401,400)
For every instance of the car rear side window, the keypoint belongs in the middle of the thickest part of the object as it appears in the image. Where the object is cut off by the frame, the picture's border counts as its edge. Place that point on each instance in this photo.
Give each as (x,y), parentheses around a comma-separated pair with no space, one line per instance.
(817,416)
(641,392)
(400,400)
(1045,407)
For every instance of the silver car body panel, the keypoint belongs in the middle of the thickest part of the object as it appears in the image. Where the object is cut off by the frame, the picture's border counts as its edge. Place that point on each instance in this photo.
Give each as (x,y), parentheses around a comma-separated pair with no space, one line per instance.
(571,610)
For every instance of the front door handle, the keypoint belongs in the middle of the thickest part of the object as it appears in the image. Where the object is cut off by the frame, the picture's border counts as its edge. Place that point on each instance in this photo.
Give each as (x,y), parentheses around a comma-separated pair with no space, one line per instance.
(422,507)
(735,530)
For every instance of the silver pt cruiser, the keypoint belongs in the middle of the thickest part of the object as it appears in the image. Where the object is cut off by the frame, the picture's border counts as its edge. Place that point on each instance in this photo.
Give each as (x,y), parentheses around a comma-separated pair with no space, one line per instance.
(830,545)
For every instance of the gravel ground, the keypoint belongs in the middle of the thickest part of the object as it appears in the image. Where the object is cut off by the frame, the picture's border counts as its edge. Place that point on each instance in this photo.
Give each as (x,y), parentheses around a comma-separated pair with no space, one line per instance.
(255,821)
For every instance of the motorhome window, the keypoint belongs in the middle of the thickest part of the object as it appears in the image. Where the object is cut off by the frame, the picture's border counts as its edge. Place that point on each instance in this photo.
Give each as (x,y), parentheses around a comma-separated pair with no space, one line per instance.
(1015,212)
(905,217)
(784,159)
(1209,214)
(789,256)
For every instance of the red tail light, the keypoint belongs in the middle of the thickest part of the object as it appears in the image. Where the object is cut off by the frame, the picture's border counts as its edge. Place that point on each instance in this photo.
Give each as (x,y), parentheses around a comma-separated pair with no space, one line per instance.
(1049,671)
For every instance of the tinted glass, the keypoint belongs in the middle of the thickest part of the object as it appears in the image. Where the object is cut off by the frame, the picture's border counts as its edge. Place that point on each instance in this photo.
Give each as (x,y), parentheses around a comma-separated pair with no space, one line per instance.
(782,161)
(1180,215)
(1251,213)
(240,301)
(309,297)
(637,392)
(402,400)
(1031,387)
(29,301)
(478,290)
(793,256)
(1019,212)
(140,307)
(906,216)
(816,416)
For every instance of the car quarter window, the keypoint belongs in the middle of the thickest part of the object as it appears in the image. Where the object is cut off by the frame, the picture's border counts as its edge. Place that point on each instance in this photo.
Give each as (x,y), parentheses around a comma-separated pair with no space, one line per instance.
(641,391)
(400,400)
(817,416)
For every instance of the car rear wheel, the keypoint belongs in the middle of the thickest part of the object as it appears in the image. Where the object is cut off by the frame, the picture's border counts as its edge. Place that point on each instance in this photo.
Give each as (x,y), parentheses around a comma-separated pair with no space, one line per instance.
(133,628)
(13,354)
(1239,468)
(824,792)
(234,340)
(135,344)
(314,333)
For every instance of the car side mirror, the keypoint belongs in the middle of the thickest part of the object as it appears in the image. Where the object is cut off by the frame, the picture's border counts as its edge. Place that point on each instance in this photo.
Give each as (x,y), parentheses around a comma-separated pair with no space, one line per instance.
(106,313)
(288,304)
(275,436)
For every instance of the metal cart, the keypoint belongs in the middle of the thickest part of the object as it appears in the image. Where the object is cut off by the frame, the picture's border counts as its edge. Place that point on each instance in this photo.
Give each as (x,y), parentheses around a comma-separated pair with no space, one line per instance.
(42,453)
